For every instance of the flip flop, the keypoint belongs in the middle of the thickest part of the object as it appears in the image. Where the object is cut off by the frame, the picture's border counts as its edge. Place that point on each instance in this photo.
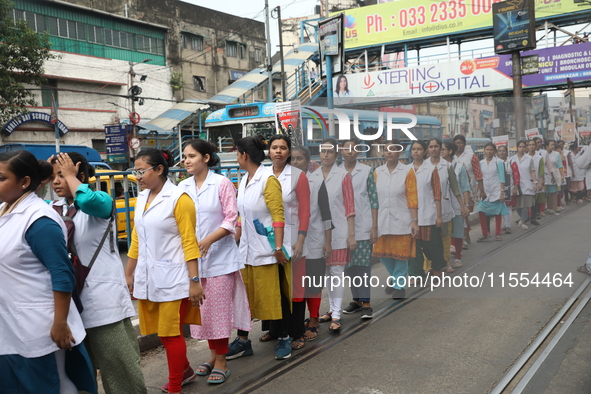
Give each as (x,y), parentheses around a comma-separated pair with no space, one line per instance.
(206,366)
(218,372)
(584,270)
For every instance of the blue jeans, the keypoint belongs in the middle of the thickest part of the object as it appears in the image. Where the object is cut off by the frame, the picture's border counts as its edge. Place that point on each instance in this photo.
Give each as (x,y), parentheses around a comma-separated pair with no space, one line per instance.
(397,269)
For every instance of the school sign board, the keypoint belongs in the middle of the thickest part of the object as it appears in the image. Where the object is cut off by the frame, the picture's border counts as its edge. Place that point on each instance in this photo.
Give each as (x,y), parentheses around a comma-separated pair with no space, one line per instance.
(471,76)
(408,20)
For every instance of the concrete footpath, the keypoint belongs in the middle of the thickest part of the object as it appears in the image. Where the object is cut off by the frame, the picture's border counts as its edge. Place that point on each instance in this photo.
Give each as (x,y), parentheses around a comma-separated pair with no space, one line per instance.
(459,339)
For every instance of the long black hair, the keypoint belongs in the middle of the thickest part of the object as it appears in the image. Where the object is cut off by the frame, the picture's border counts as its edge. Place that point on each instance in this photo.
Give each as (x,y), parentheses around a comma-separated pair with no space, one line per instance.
(156,157)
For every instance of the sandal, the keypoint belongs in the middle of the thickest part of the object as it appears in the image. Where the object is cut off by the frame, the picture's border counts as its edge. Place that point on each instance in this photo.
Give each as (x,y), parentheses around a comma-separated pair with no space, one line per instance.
(448,269)
(335,325)
(483,238)
(267,337)
(313,333)
(206,369)
(325,318)
(498,238)
(223,376)
(457,263)
(584,270)
(297,344)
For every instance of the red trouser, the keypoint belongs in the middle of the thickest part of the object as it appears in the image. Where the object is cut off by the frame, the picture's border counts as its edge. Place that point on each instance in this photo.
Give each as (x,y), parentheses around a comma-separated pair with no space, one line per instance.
(484,227)
(176,354)
(219,345)
(314,306)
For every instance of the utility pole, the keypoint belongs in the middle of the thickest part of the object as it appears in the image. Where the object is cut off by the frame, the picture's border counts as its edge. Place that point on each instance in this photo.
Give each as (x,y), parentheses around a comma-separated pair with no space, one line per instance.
(518,96)
(269,65)
(283,92)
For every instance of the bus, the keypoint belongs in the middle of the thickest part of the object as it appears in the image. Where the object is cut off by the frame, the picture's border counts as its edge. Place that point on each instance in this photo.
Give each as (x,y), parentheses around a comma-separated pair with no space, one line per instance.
(227,125)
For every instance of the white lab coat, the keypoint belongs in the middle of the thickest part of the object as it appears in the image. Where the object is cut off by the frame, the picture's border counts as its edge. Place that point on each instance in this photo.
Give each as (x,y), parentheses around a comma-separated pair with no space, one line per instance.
(491,178)
(526,183)
(161,273)
(447,196)
(363,217)
(427,208)
(223,256)
(334,187)
(254,248)
(26,296)
(316,230)
(105,296)
(394,216)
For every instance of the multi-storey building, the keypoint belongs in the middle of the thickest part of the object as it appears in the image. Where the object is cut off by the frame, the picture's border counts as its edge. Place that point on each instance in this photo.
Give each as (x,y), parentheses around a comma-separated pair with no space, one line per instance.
(171,50)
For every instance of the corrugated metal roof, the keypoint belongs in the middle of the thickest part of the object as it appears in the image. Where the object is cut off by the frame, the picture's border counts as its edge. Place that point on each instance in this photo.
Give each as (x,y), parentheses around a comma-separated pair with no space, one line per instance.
(178,113)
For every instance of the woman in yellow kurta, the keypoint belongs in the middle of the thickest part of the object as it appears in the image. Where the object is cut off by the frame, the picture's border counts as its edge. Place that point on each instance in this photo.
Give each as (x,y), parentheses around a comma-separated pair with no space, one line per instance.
(162,269)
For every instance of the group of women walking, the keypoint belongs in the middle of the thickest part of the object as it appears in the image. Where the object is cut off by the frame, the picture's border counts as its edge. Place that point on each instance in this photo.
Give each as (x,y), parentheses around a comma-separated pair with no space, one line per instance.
(205,254)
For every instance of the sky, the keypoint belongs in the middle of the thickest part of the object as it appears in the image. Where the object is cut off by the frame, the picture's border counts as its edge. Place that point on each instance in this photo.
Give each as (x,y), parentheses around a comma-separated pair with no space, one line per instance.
(255,9)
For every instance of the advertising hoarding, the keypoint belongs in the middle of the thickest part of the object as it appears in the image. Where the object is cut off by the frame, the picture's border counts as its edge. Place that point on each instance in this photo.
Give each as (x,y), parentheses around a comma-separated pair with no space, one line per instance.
(514,26)
(471,76)
(407,20)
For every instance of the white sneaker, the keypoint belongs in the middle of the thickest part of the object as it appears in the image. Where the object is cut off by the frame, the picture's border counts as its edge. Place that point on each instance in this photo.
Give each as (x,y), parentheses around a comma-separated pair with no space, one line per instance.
(523,226)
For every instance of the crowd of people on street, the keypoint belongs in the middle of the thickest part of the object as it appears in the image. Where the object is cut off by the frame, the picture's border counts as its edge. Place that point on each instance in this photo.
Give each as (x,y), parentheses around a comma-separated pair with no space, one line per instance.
(215,257)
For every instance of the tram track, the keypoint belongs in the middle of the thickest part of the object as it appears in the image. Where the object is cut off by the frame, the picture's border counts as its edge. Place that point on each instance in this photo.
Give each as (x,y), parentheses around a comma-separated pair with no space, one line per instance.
(272,370)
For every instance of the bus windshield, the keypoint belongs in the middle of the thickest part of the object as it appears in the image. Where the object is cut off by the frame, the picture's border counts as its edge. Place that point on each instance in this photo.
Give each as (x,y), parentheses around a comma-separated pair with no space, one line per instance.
(266,129)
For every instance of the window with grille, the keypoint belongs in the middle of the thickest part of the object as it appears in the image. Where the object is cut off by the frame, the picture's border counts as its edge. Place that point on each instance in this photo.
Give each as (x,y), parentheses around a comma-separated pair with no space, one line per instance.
(231,49)
(193,42)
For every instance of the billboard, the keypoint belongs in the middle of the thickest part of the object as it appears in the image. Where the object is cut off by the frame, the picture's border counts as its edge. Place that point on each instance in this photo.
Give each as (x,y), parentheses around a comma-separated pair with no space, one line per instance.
(408,20)
(514,26)
(469,76)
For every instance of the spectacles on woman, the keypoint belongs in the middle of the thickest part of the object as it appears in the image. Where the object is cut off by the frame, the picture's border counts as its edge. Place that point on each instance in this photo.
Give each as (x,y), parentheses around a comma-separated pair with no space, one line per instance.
(139,173)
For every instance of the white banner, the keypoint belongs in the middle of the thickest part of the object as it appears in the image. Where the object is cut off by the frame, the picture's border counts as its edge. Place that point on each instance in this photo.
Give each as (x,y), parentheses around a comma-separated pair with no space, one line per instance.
(453,78)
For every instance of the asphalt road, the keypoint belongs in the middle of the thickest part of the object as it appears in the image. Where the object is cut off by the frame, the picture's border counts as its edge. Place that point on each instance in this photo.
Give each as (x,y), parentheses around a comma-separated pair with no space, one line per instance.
(458,339)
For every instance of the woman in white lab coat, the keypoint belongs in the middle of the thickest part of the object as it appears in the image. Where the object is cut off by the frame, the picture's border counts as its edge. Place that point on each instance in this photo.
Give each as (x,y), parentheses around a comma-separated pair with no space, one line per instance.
(552,176)
(267,269)
(162,268)
(450,194)
(429,240)
(340,193)
(296,203)
(493,180)
(466,156)
(396,187)
(528,182)
(39,319)
(366,228)
(318,241)
(226,305)
(111,338)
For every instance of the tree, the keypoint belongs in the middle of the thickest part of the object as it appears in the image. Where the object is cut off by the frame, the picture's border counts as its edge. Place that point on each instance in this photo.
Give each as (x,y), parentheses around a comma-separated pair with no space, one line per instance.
(22,54)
